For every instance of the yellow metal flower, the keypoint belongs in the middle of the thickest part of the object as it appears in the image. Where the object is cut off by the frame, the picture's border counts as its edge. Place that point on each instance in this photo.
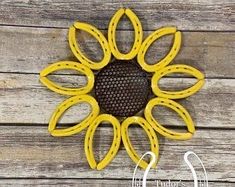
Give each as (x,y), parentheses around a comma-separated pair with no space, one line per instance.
(122,89)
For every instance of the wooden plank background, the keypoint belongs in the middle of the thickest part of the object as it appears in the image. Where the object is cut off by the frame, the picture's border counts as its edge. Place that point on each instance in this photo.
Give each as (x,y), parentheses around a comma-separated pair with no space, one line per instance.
(33,34)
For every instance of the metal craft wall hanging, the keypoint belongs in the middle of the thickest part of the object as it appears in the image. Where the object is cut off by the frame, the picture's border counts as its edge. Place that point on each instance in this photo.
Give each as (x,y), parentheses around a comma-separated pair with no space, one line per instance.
(122,89)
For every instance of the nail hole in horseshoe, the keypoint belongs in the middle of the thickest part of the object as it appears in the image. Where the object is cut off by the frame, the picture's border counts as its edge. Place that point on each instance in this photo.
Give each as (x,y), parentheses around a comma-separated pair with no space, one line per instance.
(168,118)
(89,45)
(159,48)
(74,115)
(124,40)
(137,134)
(103,138)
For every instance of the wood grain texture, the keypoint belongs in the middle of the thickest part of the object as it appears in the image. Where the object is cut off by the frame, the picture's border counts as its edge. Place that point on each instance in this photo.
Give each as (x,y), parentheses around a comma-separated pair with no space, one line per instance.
(33,34)
(92,182)
(187,15)
(32,152)
(213,106)
(29,50)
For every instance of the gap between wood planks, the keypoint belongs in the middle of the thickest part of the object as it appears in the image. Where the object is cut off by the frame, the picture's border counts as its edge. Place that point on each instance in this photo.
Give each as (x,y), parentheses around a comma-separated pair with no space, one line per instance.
(103,30)
(212,53)
(188,15)
(92,182)
(33,153)
(212,106)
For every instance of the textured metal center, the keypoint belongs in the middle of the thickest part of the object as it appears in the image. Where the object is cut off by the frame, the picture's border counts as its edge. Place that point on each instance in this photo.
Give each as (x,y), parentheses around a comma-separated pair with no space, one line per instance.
(122,88)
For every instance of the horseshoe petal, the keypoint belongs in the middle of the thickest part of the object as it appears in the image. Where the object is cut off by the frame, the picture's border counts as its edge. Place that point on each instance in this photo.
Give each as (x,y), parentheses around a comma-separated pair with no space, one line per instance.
(89,141)
(127,143)
(177,69)
(148,42)
(60,110)
(67,65)
(96,34)
(112,34)
(180,110)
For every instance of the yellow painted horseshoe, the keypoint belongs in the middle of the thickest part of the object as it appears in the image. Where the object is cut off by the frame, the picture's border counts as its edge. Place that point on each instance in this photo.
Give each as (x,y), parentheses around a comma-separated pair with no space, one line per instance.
(177,69)
(168,58)
(112,34)
(96,34)
(114,147)
(180,110)
(127,143)
(66,105)
(67,65)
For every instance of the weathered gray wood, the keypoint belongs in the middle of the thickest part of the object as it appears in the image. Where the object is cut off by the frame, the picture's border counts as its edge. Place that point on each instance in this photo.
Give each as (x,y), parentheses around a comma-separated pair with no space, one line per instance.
(28,153)
(187,15)
(32,152)
(92,182)
(24,100)
(30,49)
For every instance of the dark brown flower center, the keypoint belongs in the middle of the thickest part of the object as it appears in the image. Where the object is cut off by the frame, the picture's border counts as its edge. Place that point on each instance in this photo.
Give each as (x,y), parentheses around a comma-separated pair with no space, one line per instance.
(122,88)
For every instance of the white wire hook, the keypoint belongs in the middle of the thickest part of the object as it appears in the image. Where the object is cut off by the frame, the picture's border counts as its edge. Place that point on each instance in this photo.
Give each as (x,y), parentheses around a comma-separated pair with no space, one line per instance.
(186,155)
(153,160)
